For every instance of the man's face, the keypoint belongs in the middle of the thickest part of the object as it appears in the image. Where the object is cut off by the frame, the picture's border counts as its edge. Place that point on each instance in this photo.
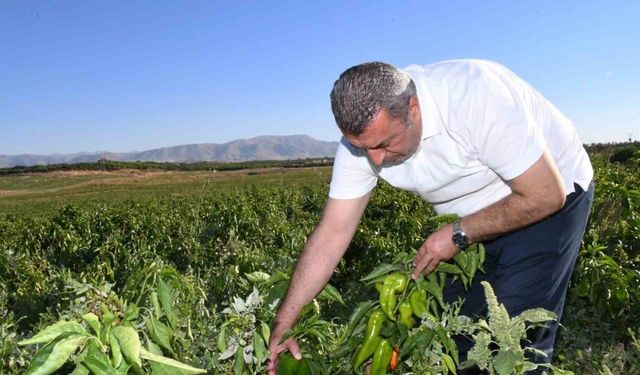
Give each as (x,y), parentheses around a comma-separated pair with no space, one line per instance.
(390,141)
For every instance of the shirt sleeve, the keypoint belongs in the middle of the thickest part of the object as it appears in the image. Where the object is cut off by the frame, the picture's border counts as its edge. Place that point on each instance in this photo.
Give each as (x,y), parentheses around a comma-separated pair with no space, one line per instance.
(502,125)
(352,175)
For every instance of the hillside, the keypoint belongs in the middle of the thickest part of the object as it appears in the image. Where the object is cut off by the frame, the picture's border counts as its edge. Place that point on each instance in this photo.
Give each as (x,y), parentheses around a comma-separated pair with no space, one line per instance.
(258,148)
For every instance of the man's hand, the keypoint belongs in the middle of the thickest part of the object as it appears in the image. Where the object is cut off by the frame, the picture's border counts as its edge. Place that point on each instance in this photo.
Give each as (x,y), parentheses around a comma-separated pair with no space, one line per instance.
(535,194)
(437,248)
(322,252)
(275,348)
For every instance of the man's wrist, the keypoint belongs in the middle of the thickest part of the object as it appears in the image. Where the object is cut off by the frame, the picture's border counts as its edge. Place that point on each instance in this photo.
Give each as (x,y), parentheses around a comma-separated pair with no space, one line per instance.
(459,237)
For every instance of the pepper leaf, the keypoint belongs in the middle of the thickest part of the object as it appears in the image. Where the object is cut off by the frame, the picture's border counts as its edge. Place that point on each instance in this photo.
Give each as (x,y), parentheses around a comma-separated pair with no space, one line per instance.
(165,295)
(53,331)
(53,355)
(168,365)
(332,294)
(381,270)
(129,343)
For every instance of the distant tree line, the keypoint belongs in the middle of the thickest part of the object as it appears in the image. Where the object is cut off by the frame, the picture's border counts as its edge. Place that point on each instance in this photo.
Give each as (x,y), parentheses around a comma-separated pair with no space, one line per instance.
(613,152)
(110,165)
(616,152)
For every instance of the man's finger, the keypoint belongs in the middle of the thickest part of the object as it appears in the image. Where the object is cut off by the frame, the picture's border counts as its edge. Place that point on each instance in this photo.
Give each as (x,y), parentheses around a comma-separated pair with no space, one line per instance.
(419,262)
(273,359)
(289,344)
(419,256)
(430,268)
(420,266)
(271,365)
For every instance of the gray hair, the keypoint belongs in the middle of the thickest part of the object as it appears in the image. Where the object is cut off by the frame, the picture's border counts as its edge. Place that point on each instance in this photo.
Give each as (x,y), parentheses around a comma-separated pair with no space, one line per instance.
(363,90)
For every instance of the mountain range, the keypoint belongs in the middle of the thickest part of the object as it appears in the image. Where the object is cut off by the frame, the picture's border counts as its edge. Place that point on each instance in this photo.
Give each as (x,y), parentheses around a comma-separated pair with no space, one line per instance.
(259,148)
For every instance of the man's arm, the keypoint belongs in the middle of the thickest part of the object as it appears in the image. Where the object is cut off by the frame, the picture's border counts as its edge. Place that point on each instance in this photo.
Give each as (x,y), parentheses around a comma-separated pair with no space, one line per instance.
(319,258)
(535,194)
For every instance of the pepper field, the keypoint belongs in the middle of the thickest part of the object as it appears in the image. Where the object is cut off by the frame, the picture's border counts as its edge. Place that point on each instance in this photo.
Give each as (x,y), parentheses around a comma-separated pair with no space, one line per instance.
(191,268)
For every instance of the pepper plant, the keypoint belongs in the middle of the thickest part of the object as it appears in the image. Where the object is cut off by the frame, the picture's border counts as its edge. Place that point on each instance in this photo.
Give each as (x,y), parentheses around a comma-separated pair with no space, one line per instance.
(244,336)
(410,327)
(105,343)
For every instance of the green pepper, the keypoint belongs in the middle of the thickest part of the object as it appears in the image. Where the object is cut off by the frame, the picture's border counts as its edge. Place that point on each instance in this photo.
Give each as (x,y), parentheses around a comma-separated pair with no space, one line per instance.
(418,302)
(406,313)
(371,338)
(393,284)
(381,358)
(287,365)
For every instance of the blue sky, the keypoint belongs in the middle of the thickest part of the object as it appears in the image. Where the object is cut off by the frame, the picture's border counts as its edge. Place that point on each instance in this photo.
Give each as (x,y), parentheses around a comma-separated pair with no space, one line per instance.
(133,75)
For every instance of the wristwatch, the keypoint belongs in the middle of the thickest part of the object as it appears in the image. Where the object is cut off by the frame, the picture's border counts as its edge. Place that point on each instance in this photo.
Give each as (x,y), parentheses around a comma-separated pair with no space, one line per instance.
(459,237)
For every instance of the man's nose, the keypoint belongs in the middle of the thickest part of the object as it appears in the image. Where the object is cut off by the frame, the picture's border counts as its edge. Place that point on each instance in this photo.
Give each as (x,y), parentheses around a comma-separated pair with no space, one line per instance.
(376,156)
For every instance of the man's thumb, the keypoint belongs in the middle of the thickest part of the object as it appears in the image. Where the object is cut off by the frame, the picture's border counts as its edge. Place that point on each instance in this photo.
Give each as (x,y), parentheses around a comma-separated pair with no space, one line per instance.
(294,349)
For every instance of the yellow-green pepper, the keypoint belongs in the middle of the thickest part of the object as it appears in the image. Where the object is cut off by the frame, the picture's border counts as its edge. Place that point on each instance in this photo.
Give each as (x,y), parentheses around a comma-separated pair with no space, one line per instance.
(406,314)
(371,338)
(381,358)
(393,284)
(418,302)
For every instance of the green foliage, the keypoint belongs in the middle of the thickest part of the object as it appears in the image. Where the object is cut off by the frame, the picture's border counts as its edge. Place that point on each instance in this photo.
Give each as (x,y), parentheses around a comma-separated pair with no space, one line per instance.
(425,348)
(182,263)
(497,347)
(107,343)
(623,155)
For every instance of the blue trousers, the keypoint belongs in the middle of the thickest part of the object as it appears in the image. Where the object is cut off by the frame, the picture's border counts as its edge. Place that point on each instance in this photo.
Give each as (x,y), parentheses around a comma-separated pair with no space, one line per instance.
(530,268)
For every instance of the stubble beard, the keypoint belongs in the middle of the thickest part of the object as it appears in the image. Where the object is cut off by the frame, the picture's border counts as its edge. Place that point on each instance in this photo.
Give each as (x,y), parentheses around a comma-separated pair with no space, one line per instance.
(401,158)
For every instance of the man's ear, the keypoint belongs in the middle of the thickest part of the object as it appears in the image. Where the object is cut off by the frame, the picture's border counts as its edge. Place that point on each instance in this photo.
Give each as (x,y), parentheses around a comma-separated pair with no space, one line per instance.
(414,108)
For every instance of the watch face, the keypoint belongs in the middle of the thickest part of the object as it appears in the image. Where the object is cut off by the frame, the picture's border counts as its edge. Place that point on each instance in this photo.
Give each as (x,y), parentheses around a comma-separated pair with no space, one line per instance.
(460,240)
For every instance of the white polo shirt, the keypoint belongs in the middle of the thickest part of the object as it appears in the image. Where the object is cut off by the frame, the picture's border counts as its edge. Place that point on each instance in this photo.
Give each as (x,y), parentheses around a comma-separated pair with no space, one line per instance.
(481,126)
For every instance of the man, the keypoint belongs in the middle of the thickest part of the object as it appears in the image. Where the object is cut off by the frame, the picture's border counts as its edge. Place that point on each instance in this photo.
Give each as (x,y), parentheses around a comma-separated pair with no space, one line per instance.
(473,139)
